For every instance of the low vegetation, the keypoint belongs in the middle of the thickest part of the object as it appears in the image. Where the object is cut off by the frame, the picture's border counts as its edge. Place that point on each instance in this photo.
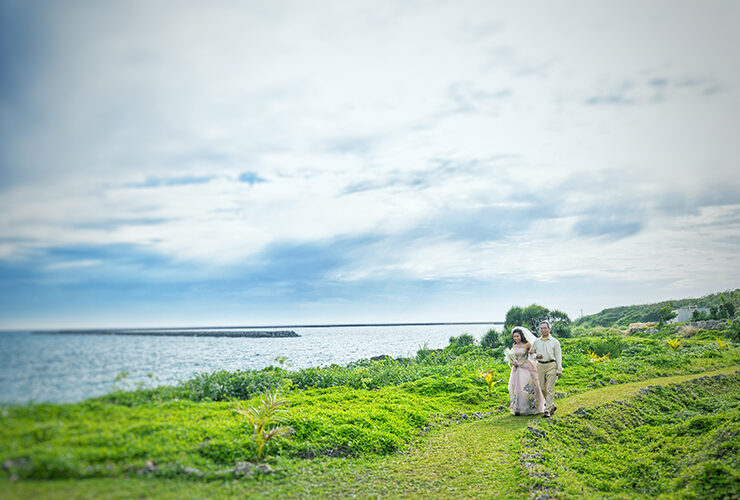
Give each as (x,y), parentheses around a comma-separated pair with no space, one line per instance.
(226,426)
(364,408)
(722,306)
(679,441)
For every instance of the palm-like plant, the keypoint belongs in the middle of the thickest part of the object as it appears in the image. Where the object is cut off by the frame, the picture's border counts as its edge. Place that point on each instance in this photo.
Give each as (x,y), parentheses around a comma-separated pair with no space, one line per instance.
(488,377)
(721,344)
(675,344)
(265,420)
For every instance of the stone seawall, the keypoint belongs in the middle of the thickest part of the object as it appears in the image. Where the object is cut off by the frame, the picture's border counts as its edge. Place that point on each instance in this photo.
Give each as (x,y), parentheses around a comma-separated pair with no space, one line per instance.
(181,333)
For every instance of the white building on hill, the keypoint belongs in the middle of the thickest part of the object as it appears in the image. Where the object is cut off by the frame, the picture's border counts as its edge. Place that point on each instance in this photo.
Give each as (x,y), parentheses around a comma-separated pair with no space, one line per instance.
(684,313)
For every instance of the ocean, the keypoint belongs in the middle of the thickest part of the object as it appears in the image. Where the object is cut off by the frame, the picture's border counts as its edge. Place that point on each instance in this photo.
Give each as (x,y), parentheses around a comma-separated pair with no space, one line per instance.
(72,367)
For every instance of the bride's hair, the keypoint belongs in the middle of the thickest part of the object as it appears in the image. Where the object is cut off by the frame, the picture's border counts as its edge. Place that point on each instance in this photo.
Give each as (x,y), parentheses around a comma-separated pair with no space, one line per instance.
(521,335)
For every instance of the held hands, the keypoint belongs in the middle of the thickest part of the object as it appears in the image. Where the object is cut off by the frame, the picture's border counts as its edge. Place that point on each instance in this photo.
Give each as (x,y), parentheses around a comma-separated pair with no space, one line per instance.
(539,356)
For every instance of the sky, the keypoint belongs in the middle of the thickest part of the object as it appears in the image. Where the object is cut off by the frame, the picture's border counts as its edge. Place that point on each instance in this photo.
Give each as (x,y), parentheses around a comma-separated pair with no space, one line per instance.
(174,163)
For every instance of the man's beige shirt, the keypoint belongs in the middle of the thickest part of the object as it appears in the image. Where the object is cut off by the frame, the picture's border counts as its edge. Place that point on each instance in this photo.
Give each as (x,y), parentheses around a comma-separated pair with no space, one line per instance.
(550,349)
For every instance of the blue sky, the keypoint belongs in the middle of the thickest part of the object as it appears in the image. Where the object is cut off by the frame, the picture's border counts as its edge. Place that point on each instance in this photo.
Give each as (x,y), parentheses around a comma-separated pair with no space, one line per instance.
(189,163)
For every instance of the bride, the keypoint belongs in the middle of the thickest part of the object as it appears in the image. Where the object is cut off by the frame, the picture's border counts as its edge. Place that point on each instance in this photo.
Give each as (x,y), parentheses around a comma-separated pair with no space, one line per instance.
(525,396)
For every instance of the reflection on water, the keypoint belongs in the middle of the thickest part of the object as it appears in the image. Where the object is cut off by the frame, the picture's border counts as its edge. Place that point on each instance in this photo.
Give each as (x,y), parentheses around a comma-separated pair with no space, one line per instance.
(66,368)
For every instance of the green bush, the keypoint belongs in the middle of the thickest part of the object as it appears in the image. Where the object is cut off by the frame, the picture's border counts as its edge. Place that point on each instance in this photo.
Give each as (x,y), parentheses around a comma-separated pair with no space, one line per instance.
(733,332)
(463,340)
(491,340)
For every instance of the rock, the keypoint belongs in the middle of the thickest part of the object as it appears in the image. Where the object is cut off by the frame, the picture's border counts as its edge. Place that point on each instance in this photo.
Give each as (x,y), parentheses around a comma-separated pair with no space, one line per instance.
(13,477)
(651,330)
(16,463)
(612,381)
(148,468)
(535,432)
(243,469)
(463,416)
(709,324)
(263,469)
(640,327)
(559,395)
(193,471)
(581,412)
(542,475)
(382,357)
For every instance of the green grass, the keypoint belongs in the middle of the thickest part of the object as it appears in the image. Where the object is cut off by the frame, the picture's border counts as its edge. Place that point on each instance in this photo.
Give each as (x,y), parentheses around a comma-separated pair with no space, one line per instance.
(478,459)
(667,441)
(424,426)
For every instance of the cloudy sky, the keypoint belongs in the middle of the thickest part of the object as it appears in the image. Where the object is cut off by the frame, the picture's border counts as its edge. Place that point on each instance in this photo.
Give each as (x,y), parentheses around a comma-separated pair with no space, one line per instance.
(272,162)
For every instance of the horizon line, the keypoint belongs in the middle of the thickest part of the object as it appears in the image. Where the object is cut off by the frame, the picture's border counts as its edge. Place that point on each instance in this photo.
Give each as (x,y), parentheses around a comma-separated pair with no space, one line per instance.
(326,325)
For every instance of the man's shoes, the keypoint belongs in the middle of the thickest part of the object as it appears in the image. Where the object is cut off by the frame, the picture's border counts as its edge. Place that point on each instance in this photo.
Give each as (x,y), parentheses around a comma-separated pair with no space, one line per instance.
(552,412)
(546,414)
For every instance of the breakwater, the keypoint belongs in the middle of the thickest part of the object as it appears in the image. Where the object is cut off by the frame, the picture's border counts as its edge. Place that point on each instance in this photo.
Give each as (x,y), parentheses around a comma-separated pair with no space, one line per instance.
(179,333)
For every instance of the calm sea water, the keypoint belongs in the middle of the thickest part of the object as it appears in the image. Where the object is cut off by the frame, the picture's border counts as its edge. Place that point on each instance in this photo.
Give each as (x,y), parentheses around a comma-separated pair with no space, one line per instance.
(68,368)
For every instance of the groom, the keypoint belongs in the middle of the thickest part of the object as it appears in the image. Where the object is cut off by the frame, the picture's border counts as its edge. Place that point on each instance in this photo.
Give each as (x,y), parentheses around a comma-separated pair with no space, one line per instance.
(549,365)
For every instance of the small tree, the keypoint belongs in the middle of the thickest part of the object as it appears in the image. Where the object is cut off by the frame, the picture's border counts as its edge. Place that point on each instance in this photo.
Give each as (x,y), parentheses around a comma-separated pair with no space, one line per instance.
(726,308)
(264,420)
(514,317)
(666,314)
(698,315)
(560,323)
(533,315)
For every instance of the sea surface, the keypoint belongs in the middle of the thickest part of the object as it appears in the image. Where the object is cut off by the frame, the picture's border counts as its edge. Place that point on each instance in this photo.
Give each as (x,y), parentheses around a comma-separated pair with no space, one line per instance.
(72,367)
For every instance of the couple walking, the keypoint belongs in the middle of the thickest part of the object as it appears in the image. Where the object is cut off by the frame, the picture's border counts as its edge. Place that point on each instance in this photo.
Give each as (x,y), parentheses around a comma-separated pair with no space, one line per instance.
(536,363)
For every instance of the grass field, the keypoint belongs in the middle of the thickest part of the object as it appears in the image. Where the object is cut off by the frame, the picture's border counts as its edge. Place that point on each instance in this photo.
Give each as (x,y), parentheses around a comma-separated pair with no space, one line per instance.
(432,431)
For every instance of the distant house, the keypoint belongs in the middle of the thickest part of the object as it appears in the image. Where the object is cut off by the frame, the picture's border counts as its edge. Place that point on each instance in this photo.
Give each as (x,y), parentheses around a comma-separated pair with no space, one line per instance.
(684,314)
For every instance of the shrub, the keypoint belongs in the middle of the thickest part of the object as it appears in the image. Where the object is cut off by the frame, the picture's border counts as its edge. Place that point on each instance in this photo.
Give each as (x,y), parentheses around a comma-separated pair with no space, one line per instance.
(561,330)
(734,331)
(491,340)
(687,331)
(463,340)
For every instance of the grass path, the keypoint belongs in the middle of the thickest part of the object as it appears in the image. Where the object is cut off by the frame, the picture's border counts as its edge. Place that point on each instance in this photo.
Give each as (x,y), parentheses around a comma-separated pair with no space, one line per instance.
(471,460)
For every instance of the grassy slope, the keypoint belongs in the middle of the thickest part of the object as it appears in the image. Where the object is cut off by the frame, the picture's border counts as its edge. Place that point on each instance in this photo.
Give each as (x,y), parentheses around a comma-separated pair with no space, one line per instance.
(474,459)
(624,315)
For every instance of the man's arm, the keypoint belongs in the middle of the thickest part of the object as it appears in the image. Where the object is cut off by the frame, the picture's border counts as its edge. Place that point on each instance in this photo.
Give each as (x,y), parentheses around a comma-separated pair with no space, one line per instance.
(559,358)
(533,350)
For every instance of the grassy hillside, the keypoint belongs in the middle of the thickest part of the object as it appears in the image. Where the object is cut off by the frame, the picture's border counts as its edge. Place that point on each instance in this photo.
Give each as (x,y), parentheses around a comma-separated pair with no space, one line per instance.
(676,441)
(624,315)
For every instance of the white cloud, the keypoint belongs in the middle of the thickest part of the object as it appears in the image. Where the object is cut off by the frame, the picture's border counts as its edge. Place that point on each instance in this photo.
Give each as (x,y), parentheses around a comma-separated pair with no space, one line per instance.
(380,119)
